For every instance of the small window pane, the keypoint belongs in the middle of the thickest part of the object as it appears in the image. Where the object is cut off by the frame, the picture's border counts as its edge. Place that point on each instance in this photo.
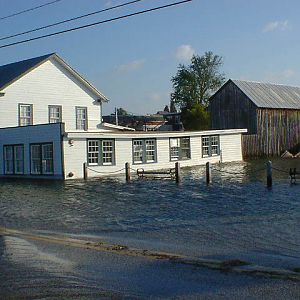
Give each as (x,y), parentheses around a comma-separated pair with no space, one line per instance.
(47,158)
(174,148)
(93,152)
(185,148)
(19,159)
(81,118)
(138,151)
(35,159)
(8,160)
(25,114)
(107,152)
(150,150)
(54,114)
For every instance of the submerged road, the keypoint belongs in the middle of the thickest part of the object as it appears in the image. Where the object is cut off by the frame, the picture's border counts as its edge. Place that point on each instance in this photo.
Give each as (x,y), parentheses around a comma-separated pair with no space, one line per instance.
(40,266)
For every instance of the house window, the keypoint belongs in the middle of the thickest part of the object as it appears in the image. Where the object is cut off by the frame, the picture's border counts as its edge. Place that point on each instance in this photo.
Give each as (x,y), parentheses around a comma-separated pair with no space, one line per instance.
(14,159)
(210,146)
(144,151)
(101,152)
(180,148)
(107,152)
(55,114)
(41,159)
(25,114)
(81,118)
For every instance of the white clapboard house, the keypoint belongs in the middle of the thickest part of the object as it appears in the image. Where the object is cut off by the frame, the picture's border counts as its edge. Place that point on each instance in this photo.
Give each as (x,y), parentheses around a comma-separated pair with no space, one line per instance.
(51,125)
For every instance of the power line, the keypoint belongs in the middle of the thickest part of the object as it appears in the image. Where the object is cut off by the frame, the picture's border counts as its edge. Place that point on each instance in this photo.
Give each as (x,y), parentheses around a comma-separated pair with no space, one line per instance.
(29,9)
(69,20)
(94,24)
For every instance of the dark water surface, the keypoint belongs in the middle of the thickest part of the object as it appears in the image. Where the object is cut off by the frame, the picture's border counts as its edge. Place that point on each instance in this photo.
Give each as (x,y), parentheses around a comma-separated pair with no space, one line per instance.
(235,217)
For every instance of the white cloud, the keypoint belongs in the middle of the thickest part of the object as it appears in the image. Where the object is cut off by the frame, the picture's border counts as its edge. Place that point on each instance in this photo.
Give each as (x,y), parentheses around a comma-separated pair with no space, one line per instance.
(131,66)
(277,25)
(184,52)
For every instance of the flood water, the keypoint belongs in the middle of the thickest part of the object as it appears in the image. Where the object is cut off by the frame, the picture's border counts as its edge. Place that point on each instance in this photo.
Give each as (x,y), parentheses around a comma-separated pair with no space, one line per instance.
(235,217)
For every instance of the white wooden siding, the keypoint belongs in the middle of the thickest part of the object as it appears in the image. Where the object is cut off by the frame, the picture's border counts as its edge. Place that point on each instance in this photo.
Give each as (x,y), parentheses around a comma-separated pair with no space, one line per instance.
(76,154)
(49,84)
(231,146)
(31,135)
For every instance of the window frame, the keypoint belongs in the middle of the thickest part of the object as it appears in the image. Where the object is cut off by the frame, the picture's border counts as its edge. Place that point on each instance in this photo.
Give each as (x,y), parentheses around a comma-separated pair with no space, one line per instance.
(210,145)
(100,152)
(30,118)
(49,114)
(180,148)
(41,159)
(144,151)
(77,108)
(13,160)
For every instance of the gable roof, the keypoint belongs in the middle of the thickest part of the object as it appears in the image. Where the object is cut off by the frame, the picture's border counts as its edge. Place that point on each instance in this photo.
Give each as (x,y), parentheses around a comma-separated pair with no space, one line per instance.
(267,95)
(12,72)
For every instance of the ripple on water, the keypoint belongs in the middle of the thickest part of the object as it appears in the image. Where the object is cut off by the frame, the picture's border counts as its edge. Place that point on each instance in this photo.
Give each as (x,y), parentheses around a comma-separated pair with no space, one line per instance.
(236,214)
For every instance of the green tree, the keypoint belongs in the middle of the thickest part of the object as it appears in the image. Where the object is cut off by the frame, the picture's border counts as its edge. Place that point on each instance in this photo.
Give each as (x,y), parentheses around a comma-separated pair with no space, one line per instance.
(122,112)
(166,109)
(172,107)
(195,118)
(194,84)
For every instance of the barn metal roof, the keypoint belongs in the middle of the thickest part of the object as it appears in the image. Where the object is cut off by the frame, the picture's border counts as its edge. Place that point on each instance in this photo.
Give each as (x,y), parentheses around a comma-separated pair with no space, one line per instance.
(267,95)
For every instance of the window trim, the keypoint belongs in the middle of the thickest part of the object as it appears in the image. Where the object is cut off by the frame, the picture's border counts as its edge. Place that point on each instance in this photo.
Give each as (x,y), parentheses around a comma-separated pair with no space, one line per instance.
(41,158)
(100,153)
(19,113)
(210,146)
(13,159)
(86,119)
(180,148)
(144,158)
(49,114)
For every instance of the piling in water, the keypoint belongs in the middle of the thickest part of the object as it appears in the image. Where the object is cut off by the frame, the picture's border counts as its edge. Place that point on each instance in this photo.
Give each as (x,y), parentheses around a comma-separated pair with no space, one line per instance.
(208,173)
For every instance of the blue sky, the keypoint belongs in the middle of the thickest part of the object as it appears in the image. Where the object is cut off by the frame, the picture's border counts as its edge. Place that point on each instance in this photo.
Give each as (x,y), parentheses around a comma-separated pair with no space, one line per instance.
(132,61)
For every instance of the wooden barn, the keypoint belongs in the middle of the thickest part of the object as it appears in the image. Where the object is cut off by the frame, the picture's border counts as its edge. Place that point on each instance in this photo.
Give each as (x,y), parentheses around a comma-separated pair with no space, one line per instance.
(270,112)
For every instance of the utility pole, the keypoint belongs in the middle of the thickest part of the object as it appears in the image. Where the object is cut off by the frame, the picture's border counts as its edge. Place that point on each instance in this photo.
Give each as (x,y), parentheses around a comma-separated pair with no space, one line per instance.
(116,116)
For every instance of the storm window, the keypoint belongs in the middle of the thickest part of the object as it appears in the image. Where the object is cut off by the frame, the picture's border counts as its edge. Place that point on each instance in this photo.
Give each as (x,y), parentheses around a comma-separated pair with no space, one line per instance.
(210,146)
(144,151)
(101,152)
(25,114)
(180,148)
(14,159)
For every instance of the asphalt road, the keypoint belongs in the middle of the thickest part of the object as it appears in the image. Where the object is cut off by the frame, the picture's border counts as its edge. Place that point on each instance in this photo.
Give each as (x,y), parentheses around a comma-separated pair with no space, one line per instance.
(35,269)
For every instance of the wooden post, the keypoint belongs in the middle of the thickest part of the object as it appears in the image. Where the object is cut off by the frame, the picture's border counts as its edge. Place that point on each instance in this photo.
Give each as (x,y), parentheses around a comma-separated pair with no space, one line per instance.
(269,174)
(177,172)
(208,173)
(127,171)
(85,174)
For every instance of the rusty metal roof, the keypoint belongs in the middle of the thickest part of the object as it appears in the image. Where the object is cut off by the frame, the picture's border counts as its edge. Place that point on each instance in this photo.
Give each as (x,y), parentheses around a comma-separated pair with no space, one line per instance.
(267,95)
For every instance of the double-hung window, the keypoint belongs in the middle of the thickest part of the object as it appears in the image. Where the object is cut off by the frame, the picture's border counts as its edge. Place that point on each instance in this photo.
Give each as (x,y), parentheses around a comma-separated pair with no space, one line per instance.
(144,151)
(41,159)
(25,114)
(14,159)
(210,146)
(101,152)
(55,113)
(180,148)
(81,118)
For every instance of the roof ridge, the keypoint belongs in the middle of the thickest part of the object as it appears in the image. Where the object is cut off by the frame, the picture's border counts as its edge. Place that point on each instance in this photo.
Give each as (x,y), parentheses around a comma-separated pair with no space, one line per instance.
(270,83)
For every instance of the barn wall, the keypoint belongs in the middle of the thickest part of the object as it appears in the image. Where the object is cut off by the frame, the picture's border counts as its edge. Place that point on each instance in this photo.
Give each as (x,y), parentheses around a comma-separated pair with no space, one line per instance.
(278,130)
(230,108)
